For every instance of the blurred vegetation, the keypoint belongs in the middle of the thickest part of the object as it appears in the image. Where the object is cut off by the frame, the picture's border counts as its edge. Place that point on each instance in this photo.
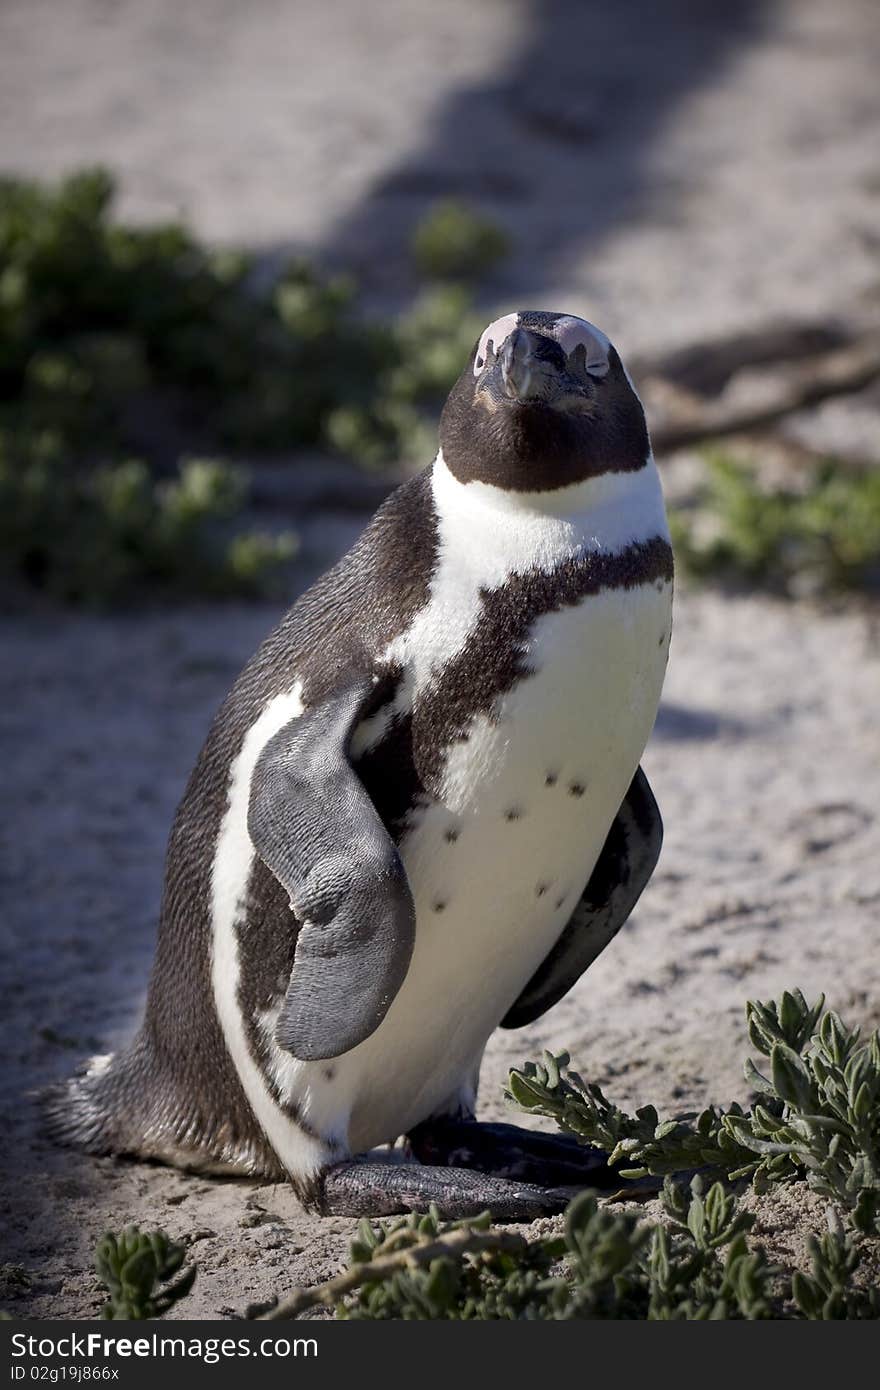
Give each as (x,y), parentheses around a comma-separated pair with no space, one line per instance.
(118,342)
(108,532)
(432,342)
(125,349)
(819,538)
(454,243)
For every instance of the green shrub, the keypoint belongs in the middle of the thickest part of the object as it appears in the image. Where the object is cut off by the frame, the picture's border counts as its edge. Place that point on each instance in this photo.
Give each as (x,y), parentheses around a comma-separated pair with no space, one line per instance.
(93,313)
(816,1116)
(110,533)
(823,537)
(696,1264)
(454,243)
(115,341)
(432,341)
(828,1291)
(137,1270)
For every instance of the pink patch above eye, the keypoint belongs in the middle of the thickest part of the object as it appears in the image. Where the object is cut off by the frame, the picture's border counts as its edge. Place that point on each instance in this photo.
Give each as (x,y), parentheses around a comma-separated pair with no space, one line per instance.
(496,334)
(571,332)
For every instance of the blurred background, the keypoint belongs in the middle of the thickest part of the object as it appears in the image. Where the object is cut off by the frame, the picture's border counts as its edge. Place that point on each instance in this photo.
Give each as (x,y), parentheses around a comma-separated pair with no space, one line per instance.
(244,252)
(250,235)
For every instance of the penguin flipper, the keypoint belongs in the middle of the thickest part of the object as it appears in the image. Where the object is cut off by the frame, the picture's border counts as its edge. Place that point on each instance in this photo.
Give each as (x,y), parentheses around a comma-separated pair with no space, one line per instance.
(627,860)
(314,825)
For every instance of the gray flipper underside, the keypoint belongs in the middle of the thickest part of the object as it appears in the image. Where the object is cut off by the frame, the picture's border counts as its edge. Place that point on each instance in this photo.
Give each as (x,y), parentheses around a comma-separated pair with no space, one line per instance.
(313,823)
(622,870)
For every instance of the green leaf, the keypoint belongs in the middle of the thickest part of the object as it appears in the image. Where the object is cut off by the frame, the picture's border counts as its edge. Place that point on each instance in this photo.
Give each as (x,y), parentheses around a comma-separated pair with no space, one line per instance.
(790,1078)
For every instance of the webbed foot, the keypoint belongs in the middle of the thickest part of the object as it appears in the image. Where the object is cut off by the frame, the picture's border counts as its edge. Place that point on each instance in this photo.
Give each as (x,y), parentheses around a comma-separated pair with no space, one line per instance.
(366,1188)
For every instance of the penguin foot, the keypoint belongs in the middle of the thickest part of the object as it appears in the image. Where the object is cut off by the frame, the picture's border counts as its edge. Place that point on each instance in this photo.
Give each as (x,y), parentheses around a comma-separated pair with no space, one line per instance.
(358,1188)
(523,1155)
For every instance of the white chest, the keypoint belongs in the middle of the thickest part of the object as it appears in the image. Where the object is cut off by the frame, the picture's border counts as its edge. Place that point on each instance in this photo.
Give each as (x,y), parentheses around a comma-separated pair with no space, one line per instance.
(499,859)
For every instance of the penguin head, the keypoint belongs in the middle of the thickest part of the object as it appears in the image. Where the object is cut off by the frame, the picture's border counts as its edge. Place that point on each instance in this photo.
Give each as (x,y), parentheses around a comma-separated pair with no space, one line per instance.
(543,403)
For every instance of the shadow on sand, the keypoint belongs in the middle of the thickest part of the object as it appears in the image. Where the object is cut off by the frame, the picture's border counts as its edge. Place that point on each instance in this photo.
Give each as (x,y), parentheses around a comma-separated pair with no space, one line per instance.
(560,143)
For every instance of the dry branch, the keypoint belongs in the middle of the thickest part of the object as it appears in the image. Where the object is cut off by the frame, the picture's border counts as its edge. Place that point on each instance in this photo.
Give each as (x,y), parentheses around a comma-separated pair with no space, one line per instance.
(793,387)
(451,1245)
(704,368)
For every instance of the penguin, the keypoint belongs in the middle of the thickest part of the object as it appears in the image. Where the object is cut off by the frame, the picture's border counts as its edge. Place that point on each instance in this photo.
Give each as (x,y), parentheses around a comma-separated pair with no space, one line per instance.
(418,815)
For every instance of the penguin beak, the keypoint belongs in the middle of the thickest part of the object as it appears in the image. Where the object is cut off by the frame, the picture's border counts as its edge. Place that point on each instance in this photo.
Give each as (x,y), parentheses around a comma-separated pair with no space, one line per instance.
(528,375)
(517,363)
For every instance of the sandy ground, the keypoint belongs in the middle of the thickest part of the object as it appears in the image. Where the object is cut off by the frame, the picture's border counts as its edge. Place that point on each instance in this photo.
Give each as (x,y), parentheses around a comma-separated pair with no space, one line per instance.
(680,176)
